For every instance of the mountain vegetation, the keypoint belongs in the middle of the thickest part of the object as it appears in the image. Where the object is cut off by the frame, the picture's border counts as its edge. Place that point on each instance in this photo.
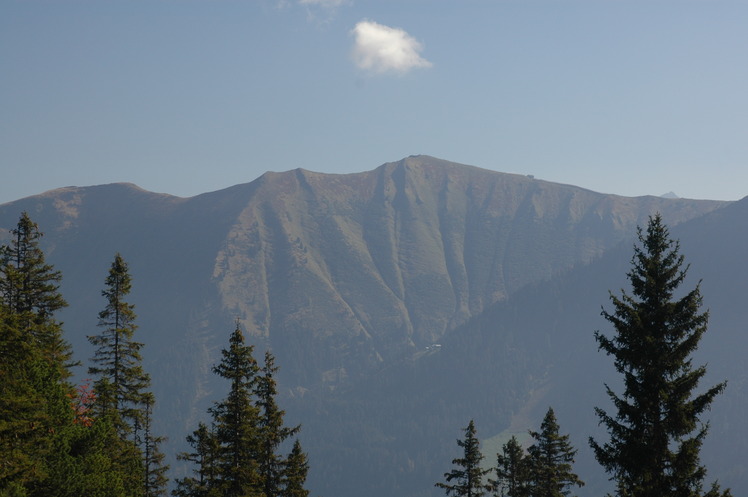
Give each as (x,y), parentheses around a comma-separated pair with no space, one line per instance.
(545,471)
(468,475)
(399,302)
(52,445)
(100,442)
(653,449)
(238,456)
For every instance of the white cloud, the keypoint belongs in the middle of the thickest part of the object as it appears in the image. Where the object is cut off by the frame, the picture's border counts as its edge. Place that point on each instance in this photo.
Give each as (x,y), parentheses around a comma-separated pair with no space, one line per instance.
(379,48)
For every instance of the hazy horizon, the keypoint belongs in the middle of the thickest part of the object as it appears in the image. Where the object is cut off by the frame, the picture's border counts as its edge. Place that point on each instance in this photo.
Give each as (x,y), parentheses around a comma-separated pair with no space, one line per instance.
(634,98)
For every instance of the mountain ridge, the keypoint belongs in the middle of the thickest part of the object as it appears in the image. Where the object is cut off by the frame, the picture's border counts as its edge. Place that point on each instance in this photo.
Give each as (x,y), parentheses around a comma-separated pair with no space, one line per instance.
(342,276)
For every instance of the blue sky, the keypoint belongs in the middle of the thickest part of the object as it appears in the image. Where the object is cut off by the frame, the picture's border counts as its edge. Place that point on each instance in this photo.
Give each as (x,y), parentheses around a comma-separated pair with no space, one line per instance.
(188,96)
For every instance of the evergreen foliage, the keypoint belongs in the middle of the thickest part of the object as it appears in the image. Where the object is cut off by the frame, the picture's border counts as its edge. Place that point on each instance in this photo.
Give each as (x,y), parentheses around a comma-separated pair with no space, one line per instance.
(92,460)
(23,441)
(512,471)
(29,286)
(236,420)
(546,469)
(656,433)
(29,291)
(295,474)
(34,405)
(121,388)
(550,461)
(272,431)
(203,459)
(238,456)
(117,357)
(50,445)
(153,459)
(467,474)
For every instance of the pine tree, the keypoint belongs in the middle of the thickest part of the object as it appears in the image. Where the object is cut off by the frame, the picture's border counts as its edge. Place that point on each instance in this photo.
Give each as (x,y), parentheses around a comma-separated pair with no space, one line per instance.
(91,459)
(121,388)
(550,460)
(153,459)
(294,475)
(34,366)
(205,470)
(468,474)
(49,445)
(23,439)
(512,471)
(238,456)
(272,431)
(29,290)
(236,421)
(117,357)
(656,434)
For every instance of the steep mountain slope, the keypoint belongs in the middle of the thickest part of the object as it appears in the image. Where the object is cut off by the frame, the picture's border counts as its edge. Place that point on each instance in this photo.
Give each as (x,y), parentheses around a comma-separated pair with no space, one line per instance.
(343,276)
(536,349)
(380,264)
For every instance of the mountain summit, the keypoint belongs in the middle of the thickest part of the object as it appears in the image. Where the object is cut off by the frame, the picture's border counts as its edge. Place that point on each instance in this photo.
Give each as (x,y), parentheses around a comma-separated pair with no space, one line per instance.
(344,277)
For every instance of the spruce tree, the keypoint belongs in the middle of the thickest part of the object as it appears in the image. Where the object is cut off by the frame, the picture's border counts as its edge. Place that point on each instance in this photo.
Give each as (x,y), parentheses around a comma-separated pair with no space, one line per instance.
(49,443)
(467,474)
(23,439)
(117,356)
(238,456)
(550,461)
(204,481)
(34,366)
(295,473)
(512,471)
(656,433)
(91,459)
(272,431)
(121,387)
(29,290)
(236,421)
(154,469)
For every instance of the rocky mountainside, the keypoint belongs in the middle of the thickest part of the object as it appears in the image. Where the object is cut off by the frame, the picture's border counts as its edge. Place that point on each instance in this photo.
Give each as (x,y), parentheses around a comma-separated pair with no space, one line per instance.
(347,278)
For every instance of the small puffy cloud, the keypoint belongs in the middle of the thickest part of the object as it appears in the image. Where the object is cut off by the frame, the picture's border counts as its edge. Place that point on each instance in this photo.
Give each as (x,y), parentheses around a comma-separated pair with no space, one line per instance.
(381,49)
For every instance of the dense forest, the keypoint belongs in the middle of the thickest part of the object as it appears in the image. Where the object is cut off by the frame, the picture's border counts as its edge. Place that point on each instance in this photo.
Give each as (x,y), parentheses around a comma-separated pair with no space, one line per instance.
(97,438)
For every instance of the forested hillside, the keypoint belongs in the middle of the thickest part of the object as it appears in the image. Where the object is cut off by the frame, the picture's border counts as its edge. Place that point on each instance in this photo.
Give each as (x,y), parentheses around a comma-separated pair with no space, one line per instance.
(399,303)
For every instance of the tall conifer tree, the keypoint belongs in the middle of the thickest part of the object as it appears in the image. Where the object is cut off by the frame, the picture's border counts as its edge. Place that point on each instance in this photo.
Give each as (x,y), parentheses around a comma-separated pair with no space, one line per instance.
(236,421)
(272,430)
(512,471)
(29,290)
(238,456)
(117,357)
(154,468)
(656,433)
(295,473)
(49,445)
(204,481)
(23,439)
(550,461)
(467,474)
(121,387)
(34,405)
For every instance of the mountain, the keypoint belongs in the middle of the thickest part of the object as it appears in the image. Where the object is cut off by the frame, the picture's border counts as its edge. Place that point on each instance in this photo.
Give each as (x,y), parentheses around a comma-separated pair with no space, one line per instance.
(545,331)
(350,280)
